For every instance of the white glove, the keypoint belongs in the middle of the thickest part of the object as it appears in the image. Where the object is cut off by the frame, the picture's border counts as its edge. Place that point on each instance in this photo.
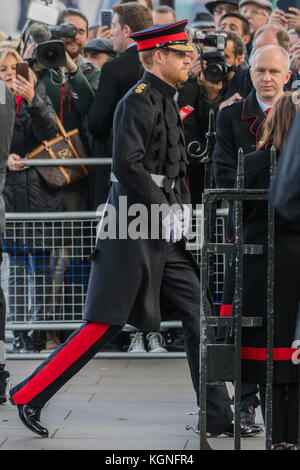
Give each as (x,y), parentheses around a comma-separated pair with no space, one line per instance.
(176,223)
(185,216)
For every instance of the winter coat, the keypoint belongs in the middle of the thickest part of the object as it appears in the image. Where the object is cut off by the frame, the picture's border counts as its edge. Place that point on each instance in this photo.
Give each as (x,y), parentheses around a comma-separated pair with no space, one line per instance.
(25,190)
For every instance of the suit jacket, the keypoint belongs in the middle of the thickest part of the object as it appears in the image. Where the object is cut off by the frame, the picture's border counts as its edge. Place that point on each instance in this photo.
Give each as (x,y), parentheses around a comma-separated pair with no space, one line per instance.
(285,190)
(117,77)
(238,126)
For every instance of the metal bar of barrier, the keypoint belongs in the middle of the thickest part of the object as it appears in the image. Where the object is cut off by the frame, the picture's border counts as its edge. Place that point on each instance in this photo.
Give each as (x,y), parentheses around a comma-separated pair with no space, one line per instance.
(67,162)
(270,313)
(74,325)
(105,355)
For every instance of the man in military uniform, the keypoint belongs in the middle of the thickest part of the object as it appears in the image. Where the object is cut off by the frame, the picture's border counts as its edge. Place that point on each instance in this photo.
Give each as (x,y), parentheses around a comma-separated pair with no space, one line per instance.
(132,279)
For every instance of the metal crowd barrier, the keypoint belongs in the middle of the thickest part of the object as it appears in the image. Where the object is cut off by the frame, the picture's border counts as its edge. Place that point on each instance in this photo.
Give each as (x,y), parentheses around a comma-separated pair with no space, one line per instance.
(46,266)
(222,362)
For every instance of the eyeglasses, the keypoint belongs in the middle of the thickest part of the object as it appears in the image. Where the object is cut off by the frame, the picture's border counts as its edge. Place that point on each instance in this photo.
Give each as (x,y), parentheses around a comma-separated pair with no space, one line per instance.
(245,11)
(221,10)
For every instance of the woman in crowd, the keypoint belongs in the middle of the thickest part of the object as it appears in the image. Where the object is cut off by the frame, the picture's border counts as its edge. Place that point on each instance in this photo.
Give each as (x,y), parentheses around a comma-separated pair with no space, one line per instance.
(25,190)
(286,287)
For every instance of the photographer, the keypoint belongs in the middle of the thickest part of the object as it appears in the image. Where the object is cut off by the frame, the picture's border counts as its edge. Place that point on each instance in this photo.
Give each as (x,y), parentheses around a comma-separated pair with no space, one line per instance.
(73,99)
(200,96)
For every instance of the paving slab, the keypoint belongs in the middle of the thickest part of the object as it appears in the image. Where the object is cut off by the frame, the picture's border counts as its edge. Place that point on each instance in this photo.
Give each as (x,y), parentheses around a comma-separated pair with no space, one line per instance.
(136,404)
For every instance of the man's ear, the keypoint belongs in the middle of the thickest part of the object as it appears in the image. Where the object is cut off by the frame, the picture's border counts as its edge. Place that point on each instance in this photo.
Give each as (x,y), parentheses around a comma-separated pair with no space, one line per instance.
(127,30)
(239,59)
(158,56)
(246,38)
(288,76)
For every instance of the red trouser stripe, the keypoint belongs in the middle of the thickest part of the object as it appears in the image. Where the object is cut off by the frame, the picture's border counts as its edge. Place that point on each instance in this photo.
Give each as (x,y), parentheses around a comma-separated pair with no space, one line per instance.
(61,362)
(260,354)
(225,310)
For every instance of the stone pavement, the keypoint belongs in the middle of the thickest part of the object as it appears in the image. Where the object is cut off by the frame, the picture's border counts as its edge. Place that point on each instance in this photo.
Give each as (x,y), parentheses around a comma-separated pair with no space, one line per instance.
(115,404)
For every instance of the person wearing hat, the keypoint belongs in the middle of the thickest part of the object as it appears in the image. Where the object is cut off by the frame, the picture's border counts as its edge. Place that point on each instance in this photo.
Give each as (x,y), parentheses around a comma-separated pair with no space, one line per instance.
(98,51)
(134,277)
(257,12)
(220,8)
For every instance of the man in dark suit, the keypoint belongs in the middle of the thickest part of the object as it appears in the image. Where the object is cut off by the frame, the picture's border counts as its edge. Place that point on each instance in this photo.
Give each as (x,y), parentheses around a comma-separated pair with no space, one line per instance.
(117,77)
(240,126)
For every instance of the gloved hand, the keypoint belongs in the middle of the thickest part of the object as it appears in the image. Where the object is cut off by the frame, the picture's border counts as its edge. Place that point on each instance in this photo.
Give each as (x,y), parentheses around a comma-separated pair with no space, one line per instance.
(176,223)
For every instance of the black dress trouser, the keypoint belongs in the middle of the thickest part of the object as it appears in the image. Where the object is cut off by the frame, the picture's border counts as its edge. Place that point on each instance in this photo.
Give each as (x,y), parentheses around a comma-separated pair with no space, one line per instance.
(180,294)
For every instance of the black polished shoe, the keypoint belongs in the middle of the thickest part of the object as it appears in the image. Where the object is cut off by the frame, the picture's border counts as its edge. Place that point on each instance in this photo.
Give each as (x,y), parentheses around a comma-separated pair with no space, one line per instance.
(280,446)
(246,431)
(291,447)
(248,415)
(30,417)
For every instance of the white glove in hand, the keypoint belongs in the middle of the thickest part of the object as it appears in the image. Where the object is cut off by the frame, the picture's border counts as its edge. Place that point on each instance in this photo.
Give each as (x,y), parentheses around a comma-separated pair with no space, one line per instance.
(184,216)
(176,224)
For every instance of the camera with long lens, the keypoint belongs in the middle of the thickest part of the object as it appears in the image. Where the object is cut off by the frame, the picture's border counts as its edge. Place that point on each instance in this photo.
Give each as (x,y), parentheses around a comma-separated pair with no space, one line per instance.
(50,52)
(216,68)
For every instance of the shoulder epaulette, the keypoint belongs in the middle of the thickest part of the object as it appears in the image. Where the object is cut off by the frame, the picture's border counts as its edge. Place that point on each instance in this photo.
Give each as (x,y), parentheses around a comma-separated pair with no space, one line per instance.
(141,87)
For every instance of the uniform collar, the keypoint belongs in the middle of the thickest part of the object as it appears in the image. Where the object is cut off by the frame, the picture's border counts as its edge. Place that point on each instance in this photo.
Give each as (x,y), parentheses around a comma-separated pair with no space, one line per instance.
(161,85)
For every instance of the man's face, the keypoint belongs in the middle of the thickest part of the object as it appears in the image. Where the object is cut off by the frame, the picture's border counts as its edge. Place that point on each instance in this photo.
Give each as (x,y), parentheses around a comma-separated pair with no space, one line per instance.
(234,25)
(174,67)
(75,46)
(162,18)
(269,74)
(220,10)
(256,16)
(119,36)
(97,58)
(231,58)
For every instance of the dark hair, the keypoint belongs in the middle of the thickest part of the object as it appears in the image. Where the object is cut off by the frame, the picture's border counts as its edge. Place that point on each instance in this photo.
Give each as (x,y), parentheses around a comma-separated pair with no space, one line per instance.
(279,123)
(245,22)
(238,44)
(72,12)
(149,3)
(166,9)
(134,15)
(282,35)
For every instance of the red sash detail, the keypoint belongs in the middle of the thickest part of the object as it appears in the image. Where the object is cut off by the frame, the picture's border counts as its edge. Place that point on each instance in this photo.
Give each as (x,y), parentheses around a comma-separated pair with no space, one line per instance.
(225,310)
(260,354)
(186,111)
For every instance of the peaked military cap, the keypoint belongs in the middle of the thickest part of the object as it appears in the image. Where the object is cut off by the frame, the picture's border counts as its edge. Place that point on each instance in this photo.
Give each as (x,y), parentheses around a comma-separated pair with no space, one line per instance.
(170,36)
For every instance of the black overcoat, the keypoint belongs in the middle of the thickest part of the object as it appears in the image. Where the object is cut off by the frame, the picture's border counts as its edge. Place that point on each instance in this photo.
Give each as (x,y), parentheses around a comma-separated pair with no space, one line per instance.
(126,274)
(286,286)
(238,126)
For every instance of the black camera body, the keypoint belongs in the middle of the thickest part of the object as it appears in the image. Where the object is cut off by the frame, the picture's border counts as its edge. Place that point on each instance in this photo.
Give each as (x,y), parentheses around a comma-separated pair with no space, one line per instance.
(216,68)
(50,52)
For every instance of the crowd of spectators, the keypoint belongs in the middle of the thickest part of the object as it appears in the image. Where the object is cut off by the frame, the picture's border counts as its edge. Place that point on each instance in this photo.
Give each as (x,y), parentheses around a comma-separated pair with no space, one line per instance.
(102,65)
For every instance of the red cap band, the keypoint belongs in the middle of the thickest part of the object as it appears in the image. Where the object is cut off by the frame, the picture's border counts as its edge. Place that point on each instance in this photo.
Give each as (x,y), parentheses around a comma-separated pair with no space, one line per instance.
(152,42)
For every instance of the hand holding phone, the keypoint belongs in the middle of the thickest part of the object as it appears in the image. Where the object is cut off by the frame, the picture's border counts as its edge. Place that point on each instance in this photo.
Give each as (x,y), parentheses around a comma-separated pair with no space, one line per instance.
(22,68)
